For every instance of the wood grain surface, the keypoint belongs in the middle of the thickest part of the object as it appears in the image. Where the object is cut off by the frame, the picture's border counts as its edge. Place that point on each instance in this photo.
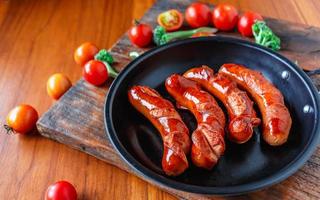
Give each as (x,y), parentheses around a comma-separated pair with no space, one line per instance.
(68,122)
(38,39)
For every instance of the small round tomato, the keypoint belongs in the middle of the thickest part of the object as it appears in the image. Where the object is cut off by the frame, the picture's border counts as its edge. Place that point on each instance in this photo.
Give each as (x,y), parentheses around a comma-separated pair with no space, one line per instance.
(198,15)
(246,21)
(57,85)
(22,119)
(95,72)
(171,20)
(140,34)
(61,190)
(225,17)
(202,34)
(85,52)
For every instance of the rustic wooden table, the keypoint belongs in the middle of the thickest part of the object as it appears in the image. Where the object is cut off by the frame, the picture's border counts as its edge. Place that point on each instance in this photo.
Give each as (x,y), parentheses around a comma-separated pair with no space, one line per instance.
(38,39)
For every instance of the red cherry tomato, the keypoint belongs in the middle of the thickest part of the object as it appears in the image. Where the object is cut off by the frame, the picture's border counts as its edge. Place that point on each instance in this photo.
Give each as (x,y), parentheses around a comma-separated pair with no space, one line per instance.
(140,34)
(57,85)
(171,20)
(95,72)
(85,52)
(61,190)
(246,21)
(22,119)
(225,17)
(198,15)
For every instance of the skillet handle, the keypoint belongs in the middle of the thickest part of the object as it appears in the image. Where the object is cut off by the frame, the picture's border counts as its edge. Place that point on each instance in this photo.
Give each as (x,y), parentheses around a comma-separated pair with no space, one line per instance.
(315,79)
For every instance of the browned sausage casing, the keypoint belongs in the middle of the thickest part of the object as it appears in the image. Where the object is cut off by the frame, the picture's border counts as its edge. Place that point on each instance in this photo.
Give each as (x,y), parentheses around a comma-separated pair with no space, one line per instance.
(275,115)
(162,114)
(242,117)
(208,139)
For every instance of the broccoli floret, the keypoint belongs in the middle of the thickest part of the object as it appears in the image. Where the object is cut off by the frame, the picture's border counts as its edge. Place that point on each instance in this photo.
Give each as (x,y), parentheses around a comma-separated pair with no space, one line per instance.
(264,36)
(159,35)
(104,56)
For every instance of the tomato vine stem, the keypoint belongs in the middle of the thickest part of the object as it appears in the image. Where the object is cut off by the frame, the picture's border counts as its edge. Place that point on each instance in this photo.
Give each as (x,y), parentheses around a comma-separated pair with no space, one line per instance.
(8,129)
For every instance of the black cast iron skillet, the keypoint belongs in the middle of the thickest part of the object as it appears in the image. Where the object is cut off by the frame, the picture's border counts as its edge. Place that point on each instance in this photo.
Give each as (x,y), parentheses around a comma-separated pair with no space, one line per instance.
(243,168)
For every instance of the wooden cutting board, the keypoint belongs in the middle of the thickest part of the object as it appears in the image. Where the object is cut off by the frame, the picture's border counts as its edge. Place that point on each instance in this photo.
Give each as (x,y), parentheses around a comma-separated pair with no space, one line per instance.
(77,118)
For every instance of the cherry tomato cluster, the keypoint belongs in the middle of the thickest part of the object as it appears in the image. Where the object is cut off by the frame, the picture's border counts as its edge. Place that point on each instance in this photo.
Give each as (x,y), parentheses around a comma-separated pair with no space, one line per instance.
(224,17)
(96,64)
(93,71)
(22,119)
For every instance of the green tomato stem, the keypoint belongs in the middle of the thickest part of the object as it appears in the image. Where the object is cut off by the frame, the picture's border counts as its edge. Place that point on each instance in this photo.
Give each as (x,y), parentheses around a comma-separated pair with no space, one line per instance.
(8,129)
(136,22)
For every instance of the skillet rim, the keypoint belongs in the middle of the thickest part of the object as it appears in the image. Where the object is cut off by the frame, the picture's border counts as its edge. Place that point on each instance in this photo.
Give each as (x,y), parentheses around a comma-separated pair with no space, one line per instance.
(165,182)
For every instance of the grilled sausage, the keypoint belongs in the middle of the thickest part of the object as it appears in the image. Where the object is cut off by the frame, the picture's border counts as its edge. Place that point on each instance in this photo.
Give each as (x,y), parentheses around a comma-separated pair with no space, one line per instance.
(208,138)
(275,115)
(242,117)
(175,134)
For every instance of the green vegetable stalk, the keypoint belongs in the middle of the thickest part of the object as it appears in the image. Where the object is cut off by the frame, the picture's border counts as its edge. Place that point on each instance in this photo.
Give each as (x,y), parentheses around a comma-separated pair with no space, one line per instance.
(111,71)
(160,36)
(264,36)
(105,57)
